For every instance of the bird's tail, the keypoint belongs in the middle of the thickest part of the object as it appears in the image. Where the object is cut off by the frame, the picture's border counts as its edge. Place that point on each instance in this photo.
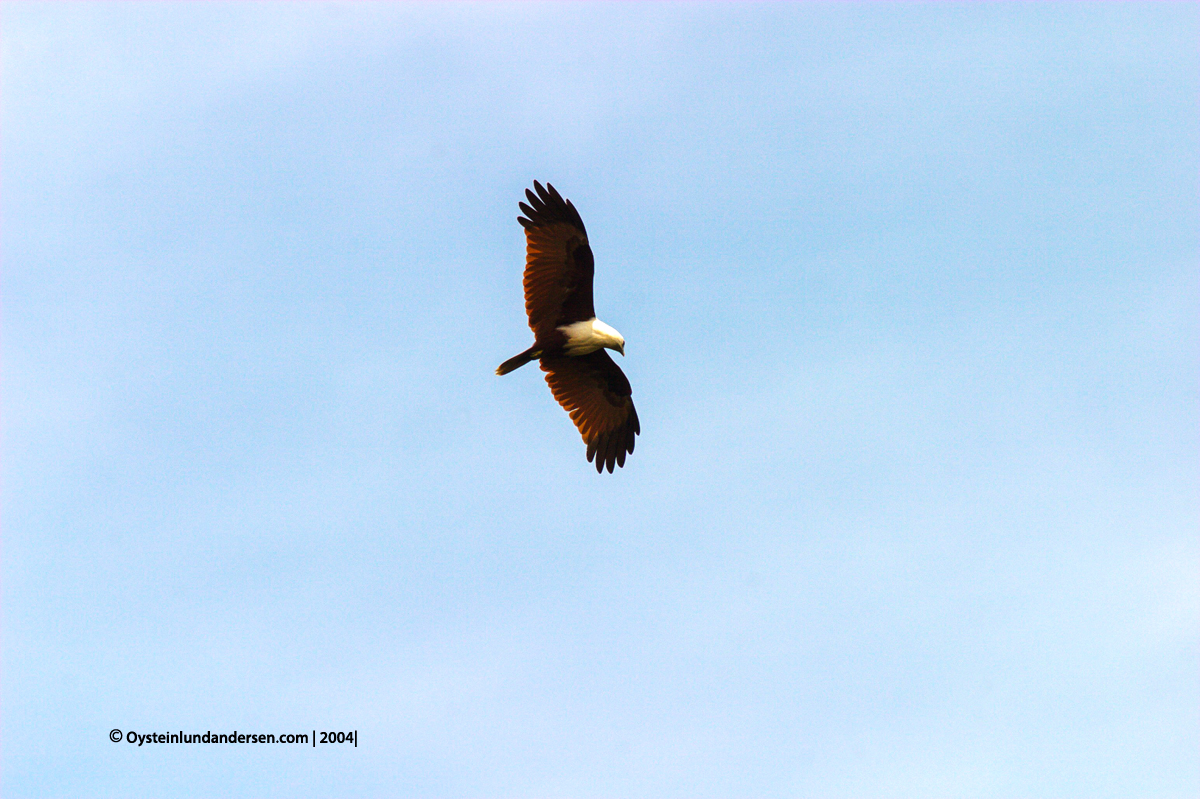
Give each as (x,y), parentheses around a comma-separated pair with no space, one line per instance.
(517,361)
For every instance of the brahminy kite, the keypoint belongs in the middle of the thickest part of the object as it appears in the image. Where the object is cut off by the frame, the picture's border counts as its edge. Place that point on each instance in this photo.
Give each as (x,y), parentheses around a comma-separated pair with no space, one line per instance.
(568,340)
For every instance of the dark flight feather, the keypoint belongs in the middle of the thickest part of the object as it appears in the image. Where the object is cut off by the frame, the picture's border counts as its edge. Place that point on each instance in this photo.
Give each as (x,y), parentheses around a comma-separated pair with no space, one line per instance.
(559,265)
(594,391)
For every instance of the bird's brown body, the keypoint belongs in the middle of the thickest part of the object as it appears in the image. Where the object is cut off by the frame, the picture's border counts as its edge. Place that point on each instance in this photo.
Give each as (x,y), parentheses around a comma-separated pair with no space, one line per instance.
(569,341)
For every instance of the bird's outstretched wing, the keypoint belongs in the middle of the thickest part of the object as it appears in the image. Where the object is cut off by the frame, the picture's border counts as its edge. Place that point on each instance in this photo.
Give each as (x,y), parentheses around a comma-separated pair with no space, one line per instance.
(597,395)
(558,262)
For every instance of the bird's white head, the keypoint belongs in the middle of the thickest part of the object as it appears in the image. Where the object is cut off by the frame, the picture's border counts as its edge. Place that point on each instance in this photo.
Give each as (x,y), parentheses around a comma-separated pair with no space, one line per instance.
(609,336)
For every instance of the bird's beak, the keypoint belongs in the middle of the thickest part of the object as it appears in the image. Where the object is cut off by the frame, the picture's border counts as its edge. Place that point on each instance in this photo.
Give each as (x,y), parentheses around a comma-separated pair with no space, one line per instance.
(621,350)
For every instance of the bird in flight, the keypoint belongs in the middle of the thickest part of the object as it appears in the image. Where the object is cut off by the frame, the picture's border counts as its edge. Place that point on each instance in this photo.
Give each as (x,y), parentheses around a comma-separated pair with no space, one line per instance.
(568,340)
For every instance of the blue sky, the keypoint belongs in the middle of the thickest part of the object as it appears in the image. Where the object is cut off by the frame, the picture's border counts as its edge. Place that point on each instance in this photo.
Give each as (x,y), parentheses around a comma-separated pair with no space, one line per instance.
(910,296)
